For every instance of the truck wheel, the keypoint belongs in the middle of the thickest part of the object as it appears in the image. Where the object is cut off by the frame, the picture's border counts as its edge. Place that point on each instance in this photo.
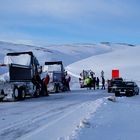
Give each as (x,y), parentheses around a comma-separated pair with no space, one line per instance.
(22,93)
(16,94)
(137,92)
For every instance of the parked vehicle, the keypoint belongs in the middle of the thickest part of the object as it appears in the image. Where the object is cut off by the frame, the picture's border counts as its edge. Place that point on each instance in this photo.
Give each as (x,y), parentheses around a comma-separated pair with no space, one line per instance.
(83,75)
(56,73)
(113,83)
(127,88)
(22,66)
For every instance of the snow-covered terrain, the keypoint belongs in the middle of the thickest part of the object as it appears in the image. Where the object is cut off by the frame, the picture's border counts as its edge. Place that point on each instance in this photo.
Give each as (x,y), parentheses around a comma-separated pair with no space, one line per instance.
(80,114)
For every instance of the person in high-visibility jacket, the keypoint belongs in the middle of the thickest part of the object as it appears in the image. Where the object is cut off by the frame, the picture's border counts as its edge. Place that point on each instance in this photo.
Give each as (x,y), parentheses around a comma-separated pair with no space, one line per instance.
(88,82)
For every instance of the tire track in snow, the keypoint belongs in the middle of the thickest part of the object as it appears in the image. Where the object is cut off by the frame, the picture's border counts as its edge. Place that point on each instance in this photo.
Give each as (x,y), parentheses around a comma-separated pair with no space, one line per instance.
(84,107)
(31,122)
(56,112)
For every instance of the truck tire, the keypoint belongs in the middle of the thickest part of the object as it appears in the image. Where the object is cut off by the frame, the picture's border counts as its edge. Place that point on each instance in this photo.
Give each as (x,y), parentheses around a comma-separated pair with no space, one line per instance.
(16,94)
(22,93)
(137,92)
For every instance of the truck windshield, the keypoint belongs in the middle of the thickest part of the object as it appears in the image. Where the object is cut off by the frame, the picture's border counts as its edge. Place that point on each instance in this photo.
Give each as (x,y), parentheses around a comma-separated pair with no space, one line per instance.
(50,68)
(22,59)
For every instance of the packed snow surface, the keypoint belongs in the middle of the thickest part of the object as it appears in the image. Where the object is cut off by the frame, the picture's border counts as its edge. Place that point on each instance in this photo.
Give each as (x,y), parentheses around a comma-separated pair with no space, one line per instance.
(80,114)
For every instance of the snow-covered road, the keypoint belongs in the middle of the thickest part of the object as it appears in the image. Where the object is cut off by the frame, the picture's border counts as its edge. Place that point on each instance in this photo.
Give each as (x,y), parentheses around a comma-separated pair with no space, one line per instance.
(53,117)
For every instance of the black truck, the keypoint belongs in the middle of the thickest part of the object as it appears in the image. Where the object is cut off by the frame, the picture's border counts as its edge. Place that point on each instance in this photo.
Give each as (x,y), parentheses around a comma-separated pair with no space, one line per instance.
(127,88)
(113,83)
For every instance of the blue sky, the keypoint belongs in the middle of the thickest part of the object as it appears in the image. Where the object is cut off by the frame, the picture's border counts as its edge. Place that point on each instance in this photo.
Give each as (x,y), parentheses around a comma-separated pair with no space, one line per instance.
(70,21)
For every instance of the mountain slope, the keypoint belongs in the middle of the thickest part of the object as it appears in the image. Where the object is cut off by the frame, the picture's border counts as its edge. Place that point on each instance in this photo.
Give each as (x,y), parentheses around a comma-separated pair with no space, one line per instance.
(68,53)
(126,60)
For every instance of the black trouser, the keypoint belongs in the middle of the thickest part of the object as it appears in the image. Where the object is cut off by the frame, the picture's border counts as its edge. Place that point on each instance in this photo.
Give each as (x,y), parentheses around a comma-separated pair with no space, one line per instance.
(44,90)
(89,86)
(103,86)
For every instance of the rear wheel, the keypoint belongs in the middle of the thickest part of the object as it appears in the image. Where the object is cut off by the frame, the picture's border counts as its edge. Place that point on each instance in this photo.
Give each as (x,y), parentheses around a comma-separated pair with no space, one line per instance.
(22,93)
(16,94)
(137,92)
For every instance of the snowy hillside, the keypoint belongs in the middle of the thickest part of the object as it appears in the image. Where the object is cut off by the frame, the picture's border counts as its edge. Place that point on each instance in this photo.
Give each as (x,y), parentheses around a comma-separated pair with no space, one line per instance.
(68,53)
(79,114)
(126,60)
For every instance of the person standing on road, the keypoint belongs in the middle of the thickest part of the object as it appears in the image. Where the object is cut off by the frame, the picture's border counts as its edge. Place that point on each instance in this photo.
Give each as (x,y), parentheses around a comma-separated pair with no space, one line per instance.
(102,73)
(88,82)
(103,83)
(36,80)
(45,84)
(67,80)
(97,82)
(94,82)
(93,79)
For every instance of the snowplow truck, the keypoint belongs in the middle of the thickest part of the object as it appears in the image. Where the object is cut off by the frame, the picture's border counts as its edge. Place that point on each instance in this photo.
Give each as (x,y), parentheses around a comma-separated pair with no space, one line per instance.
(57,75)
(16,83)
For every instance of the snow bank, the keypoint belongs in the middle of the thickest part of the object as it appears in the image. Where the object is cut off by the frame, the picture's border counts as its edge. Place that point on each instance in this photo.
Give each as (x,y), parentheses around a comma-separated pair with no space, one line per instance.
(113,121)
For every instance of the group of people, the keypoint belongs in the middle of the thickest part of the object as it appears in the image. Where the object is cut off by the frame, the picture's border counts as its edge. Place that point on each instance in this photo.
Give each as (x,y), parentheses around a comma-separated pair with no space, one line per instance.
(88,79)
(42,84)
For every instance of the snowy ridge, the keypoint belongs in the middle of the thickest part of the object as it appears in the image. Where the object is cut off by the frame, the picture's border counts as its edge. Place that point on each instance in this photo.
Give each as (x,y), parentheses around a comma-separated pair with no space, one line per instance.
(68,53)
